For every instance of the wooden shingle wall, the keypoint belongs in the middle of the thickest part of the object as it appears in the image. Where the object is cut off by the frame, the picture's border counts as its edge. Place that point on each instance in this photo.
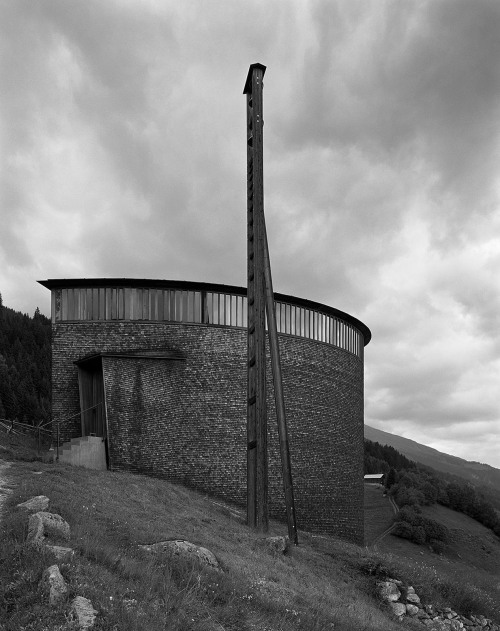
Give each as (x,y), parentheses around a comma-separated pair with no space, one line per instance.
(186,420)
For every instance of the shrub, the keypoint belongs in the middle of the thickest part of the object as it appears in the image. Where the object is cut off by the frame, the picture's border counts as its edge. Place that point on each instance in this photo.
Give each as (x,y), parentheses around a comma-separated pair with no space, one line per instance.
(418,533)
(404,530)
(409,514)
(412,525)
(435,531)
(407,496)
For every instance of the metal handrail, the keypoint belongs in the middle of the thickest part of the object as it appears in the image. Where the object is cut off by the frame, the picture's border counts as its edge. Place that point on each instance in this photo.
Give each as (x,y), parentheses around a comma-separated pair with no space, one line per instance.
(67,418)
(9,425)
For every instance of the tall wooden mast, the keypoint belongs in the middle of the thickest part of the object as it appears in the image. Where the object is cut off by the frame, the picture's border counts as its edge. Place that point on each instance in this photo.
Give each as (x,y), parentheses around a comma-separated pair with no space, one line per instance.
(257,483)
(261,300)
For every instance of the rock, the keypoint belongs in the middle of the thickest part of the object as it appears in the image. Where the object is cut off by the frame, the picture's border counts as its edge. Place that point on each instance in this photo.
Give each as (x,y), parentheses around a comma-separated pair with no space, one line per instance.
(186,550)
(43,524)
(456,625)
(56,583)
(38,503)
(36,531)
(83,611)
(413,598)
(411,610)
(398,609)
(389,591)
(277,545)
(395,581)
(60,552)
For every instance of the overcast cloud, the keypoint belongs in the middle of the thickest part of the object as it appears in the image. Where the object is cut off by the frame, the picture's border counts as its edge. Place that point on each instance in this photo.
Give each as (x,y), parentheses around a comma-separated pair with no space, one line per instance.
(123,154)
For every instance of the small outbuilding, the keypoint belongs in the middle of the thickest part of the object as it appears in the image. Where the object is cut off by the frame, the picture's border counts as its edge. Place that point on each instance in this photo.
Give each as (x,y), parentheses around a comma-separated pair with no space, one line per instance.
(374,478)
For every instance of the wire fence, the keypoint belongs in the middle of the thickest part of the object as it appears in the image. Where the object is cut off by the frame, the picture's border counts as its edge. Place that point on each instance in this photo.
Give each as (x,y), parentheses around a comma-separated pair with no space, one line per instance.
(40,430)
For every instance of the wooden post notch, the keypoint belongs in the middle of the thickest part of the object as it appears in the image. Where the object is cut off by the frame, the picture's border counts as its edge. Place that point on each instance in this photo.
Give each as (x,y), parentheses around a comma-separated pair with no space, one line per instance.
(260,297)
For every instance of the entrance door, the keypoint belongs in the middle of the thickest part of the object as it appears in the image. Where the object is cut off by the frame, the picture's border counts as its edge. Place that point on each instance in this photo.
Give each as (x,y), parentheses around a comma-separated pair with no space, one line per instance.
(91,384)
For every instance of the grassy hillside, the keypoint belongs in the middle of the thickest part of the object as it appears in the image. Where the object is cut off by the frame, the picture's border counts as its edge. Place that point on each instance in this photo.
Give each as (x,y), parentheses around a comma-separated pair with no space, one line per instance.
(470,543)
(472,551)
(320,583)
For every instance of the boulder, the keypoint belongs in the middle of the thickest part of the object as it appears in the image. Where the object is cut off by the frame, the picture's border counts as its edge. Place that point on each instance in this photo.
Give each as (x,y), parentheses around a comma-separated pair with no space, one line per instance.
(83,612)
(412,598)
(422,615)
(398,609)
(37,503)
(41,525)
(36,531)
(56,585)
(185,550)
(395,581)
(411,610)
(389,591)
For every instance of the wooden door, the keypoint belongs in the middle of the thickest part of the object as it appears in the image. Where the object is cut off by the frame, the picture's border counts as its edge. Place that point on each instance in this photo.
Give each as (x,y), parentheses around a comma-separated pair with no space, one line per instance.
(91,385)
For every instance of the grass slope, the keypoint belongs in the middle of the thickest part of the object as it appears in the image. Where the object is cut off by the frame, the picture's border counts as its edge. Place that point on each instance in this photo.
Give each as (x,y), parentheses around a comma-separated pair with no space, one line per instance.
(320,583)
(471,543)
(470,561)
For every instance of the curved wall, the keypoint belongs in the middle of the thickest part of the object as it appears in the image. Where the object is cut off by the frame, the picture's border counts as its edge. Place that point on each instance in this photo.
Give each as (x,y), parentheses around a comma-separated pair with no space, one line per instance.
(186,420)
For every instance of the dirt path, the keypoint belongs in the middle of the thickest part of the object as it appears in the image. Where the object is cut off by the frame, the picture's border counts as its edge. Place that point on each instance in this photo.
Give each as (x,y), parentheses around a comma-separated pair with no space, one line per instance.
(393,504)
(391,528)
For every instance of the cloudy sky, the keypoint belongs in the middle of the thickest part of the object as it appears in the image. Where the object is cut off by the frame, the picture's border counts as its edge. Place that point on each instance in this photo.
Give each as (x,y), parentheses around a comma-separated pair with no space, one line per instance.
(122,153)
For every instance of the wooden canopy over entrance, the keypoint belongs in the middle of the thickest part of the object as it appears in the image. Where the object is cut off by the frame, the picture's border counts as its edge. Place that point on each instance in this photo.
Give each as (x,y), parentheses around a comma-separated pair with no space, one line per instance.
(91,386)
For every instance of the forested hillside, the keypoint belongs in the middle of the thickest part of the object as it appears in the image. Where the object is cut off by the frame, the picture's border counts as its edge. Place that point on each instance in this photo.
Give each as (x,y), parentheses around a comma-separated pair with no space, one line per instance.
(475,472)
(414,486)
(24,366)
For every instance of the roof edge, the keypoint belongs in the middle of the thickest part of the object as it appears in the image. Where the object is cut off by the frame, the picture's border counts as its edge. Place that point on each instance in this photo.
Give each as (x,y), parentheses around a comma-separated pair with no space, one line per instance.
(73,283)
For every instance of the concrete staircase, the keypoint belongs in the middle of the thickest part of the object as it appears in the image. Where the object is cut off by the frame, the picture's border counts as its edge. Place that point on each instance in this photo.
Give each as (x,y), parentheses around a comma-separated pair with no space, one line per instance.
(87,451)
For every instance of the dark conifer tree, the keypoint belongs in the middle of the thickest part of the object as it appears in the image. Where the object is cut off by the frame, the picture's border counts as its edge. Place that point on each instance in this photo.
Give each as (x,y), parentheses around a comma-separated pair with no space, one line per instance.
(391,478)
